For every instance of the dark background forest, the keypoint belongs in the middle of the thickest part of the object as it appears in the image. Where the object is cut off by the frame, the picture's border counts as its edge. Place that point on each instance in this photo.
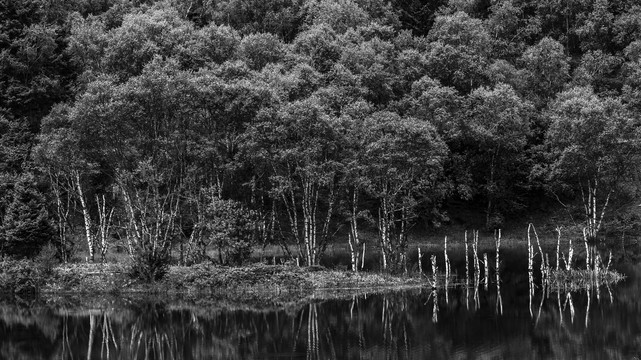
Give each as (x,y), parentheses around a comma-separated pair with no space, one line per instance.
(178,127)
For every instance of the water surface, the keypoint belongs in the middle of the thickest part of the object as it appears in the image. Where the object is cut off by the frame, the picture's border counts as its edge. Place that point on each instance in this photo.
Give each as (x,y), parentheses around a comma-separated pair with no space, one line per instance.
(417,324)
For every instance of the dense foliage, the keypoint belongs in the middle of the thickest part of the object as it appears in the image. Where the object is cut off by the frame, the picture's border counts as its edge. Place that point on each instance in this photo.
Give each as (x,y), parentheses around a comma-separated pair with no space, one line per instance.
(190,126)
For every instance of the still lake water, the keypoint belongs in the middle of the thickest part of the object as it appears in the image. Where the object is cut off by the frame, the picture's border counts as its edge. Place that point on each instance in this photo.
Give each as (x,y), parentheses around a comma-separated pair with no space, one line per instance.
(417,324)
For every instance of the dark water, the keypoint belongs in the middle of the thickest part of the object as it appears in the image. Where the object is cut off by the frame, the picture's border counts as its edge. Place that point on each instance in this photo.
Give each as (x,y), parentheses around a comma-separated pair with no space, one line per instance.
(419,324)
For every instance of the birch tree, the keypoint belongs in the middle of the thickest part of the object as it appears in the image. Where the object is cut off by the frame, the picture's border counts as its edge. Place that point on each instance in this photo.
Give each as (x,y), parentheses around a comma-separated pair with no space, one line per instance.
(355,181)
(302,146)
(60,156)
(151,203)
(404,159)
(594,143)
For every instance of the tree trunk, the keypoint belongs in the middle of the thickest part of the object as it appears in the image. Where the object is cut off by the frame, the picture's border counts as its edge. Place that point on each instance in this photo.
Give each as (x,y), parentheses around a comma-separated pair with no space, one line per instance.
(402,240)
(62,213)
(309,224)
(104,225)
(133,231)
(594,217)
(384,232)
(353,238)
(289,200)
(86,217)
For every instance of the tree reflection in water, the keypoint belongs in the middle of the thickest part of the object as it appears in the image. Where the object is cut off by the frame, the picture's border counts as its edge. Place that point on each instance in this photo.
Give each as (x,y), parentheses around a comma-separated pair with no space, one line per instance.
(508,321)
(313,348)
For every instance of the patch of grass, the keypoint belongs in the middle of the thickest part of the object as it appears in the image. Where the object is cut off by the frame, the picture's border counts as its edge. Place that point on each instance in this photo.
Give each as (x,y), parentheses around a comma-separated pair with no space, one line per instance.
(577,279)
(212,278)
(274,278)
(87,278)
(258,280)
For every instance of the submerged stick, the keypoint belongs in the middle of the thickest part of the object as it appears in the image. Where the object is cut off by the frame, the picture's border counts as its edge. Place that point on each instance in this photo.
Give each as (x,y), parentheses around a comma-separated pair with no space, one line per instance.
(587,310)
(477,269)
(558,246)
(558,297)
(420,265)
(530,253)
(536,236)
(499,299)
(597,260)
(487,270)
(544,264)
(587,251)
(435,307)
(547,267)
(467,296)
(538,315)
(531,292)
(477,303)
(569,301)
(498,248)
(434,269)
(475,249)
(447,285)
(351,307)
(447,260)
(570,253)
(467,262)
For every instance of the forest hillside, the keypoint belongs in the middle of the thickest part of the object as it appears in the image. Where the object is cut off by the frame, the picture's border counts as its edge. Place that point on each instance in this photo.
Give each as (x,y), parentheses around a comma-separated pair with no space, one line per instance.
(186,127)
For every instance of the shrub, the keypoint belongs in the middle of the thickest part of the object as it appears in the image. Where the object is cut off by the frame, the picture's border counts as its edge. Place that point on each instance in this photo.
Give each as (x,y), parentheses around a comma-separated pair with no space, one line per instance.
(231,227)
(19,276)
(46,260)
(149,265)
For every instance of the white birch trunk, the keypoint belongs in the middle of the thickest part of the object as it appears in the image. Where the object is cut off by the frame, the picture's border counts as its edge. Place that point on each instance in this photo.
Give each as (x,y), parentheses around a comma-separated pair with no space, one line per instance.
(353,238)
(86,216)
(104,225)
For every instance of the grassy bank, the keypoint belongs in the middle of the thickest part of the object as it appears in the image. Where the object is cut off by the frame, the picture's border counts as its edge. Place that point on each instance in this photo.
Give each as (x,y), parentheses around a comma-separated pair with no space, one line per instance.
(257,280)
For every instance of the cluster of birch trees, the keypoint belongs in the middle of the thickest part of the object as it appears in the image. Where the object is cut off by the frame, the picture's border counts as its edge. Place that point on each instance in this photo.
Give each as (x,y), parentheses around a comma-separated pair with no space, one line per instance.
(186,127)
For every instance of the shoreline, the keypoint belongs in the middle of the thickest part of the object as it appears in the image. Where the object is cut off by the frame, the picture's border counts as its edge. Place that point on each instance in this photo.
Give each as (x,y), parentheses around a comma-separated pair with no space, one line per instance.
(258,280)
(255,284)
